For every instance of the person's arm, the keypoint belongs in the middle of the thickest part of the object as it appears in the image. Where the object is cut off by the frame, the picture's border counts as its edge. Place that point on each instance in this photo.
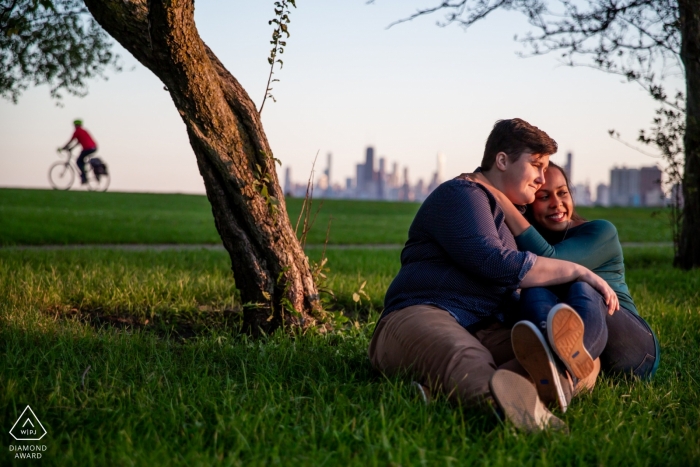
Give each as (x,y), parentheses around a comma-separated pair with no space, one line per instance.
(65,146)
(594,244)
(459,218)
(515,221)
(548,271)
(74,137)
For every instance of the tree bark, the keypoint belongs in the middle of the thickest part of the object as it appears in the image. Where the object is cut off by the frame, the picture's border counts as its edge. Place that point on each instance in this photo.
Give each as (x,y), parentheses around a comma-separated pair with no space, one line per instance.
(269,266)
(689,245)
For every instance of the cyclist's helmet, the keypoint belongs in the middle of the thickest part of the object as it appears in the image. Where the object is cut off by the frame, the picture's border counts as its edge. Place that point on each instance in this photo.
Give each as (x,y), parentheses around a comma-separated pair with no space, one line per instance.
(77,122)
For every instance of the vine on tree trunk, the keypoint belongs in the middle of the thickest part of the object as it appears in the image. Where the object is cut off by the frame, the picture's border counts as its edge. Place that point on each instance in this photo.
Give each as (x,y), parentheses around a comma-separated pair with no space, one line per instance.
(278,42)
(263,180)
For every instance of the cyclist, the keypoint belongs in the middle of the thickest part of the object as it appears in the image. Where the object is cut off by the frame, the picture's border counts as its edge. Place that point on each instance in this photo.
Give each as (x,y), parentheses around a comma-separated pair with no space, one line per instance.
(88,144)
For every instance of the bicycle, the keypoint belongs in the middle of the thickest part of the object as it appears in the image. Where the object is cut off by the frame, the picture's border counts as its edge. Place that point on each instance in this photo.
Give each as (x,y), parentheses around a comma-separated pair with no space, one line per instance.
(62,174)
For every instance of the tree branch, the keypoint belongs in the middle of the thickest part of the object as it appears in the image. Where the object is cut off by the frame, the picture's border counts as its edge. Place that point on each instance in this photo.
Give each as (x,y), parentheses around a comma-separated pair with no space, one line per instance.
(428,11)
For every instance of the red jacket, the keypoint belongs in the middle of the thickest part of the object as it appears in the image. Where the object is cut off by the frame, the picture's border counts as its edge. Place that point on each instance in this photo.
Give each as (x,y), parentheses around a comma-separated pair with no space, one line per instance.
(84,138)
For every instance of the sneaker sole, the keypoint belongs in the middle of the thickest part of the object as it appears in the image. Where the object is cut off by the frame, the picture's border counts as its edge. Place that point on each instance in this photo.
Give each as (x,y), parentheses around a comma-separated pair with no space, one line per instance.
(518,399)
(533,353)
(565,331)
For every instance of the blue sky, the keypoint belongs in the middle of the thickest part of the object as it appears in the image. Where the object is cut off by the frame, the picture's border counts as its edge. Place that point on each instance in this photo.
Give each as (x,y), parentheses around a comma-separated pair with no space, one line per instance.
(411,91)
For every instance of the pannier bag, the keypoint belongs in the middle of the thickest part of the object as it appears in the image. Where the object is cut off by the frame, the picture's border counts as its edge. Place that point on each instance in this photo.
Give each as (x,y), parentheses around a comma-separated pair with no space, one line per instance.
(98,166)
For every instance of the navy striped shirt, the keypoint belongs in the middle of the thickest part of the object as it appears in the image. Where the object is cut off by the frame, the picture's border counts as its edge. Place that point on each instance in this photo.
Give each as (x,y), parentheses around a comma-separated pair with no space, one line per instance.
(460,256)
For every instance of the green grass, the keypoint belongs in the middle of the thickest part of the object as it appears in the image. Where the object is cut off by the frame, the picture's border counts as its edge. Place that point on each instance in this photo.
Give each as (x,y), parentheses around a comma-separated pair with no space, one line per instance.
(219,398)
(634,224)
(172,382)
(41,217)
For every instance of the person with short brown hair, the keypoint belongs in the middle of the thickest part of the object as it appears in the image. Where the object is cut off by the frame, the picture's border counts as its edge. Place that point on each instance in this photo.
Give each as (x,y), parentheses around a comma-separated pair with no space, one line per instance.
(514,137)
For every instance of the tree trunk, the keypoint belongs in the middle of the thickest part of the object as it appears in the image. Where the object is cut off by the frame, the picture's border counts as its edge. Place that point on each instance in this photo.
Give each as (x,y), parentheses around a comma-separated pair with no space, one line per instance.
(224,128)
(689,246)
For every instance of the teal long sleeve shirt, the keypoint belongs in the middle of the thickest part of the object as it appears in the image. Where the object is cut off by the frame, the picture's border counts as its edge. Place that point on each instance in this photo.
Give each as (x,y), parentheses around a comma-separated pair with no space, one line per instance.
(593,244)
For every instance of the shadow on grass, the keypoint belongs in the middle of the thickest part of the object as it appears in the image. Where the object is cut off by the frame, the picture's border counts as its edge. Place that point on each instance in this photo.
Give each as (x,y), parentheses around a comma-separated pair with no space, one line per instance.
(205,322)
(180,326)
(160,399)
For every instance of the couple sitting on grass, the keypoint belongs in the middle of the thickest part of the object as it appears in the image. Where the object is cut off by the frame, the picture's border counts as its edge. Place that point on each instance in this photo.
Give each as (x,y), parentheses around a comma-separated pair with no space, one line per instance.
(495,306)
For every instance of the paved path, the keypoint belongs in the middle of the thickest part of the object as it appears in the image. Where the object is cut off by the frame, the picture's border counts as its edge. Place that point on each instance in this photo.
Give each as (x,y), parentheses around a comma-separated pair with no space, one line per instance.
(217,247)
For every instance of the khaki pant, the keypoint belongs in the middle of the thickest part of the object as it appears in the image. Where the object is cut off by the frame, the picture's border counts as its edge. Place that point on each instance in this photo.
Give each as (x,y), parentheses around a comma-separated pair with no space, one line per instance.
(427,344)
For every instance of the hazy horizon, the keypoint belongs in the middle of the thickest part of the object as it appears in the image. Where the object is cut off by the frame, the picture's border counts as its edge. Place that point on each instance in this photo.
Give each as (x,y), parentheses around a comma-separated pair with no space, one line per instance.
(410,91)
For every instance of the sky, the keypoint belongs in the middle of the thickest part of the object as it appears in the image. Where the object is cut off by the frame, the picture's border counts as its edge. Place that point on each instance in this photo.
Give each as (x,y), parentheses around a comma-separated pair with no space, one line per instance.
(411,91)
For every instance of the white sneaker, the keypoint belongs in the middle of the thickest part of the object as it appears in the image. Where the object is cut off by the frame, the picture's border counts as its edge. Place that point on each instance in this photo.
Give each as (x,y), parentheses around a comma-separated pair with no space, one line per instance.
(517,397)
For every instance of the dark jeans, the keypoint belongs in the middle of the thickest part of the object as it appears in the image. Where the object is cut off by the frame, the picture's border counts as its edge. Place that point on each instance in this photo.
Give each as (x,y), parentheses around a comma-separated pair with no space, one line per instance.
(80,162)
(624,341)
(632,345)
(588,303)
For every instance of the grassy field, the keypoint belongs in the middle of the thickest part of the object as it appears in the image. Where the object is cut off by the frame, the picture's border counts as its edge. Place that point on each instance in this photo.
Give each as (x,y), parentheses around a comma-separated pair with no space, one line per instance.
(172,382)
(40,217)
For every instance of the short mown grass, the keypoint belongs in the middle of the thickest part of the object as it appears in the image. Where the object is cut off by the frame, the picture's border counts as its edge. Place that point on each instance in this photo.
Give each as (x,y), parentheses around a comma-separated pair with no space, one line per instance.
(156,396)
(44,217)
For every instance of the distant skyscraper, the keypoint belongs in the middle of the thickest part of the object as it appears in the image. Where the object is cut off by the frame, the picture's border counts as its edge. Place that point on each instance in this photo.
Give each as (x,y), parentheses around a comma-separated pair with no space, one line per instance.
(582,194)
(602,197)
(288,181)
(381,179)
(371,182)
(360,177)
(369,164)
(624,187)
(405,192)
(649,178)
(328,168)
(650,186)
(636,187)
(323,184)
(419,190)
(567,166)
(440,168)
(394,175)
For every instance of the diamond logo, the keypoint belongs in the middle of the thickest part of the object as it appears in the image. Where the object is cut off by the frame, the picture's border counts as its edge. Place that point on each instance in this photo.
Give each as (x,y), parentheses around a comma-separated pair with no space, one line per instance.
(28,427)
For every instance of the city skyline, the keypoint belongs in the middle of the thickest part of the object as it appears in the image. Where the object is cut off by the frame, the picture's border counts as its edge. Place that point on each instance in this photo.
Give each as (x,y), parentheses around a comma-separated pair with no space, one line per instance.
(368,183)
(627,186)
(410,91)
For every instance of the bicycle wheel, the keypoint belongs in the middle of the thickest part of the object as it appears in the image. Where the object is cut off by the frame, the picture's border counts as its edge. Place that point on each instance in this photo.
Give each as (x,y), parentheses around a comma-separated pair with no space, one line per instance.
(61,175)
(96,182)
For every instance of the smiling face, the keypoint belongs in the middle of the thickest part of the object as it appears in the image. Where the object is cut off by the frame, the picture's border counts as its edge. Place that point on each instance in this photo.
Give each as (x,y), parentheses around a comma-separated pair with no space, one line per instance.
(522,178)
(553,205)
